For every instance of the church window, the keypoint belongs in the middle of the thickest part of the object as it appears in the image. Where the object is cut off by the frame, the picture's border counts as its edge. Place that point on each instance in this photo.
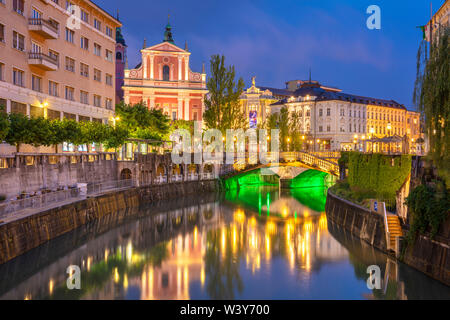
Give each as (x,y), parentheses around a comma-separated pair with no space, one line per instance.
(166,73)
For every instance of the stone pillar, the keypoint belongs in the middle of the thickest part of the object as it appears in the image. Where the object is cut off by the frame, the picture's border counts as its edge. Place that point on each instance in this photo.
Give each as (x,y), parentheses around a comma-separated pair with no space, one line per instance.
(186,109)
(28,109)
(180,108)
(179,68)
(144,66)
(152,72)
(8,106)
(186,68)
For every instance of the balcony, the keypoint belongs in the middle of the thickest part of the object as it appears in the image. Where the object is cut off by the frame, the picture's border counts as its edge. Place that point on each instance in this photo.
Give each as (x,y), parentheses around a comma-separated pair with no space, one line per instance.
(43,61)
(43,27)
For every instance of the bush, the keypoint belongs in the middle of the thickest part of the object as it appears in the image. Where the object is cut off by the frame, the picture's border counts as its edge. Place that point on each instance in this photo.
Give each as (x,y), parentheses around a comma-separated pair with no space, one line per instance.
(429,207)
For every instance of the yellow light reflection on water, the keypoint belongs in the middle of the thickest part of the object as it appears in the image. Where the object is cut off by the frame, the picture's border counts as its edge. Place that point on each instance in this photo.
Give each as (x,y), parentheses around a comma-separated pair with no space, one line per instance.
(50,286)
(116,275)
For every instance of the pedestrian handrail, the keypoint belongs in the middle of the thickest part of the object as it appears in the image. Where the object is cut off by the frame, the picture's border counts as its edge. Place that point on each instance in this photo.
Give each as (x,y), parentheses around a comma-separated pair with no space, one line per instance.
(39,201)
(93,188)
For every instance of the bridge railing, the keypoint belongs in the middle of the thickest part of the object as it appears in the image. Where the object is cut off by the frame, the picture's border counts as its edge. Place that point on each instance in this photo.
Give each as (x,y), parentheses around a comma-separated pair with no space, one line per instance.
(311,160)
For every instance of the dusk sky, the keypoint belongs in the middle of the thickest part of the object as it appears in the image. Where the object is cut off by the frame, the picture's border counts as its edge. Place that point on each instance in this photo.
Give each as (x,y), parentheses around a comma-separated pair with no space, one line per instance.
(278,41)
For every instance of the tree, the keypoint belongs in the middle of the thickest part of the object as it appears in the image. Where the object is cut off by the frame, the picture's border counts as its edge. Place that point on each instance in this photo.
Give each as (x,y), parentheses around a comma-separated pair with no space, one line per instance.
(141,122)
(116,137)
(223,109)
(4,124)
(18,130)
(39,132)
(295,130)
(431,96)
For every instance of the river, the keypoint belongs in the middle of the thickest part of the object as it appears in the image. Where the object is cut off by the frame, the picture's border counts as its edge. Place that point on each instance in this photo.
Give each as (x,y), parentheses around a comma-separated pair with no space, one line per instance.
(255,243)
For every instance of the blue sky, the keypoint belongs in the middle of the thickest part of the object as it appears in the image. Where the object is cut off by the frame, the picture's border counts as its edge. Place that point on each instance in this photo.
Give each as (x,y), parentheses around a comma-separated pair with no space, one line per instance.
(279,40)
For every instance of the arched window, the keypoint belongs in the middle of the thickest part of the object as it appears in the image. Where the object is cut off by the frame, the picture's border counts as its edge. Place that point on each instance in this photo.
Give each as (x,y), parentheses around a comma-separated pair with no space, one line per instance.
(166,73)
(119,56)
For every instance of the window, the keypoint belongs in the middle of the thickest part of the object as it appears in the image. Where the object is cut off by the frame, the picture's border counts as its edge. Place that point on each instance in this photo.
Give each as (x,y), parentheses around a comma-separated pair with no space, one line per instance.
(97,49)
(18,6)
(53,88)
(195,116)
(109,79)
(320,128)
(84,97)
(84,43)
(108,31)
(84,16)
(2,33)
(320,112)
(342,112)
(54,55)
(18,41)
(36,83)
(35,48)
(308,113)
(97,101)
(174,115)
(56,1)
(328,128)
(70,34)
(18,77)
(68,5)
(97,25)
(166,73)
(119,56)
(350,127)
(36,112)
(108,104)
(69,93)
(84,70)
(97,75)
(328,112)
(17,107)
(70,64)
(2,70)
(109,55)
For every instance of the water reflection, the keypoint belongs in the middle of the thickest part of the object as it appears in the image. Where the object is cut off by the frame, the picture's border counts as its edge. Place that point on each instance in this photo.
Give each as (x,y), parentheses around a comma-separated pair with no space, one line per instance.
(255,243)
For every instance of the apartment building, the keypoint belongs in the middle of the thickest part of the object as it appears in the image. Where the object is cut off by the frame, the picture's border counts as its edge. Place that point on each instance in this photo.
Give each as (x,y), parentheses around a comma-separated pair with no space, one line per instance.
(334,120)
(57,59)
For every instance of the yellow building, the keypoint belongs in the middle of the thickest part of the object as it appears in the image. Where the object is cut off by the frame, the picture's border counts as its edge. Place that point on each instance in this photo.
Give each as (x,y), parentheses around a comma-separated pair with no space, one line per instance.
(255,102)
(57,59)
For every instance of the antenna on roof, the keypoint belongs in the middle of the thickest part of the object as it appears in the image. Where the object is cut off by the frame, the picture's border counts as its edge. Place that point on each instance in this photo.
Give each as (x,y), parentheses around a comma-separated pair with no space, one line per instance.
(309,74)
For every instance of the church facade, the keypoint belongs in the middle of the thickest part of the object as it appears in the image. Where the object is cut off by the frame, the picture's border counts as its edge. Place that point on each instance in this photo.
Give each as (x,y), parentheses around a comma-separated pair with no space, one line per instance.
(164,80)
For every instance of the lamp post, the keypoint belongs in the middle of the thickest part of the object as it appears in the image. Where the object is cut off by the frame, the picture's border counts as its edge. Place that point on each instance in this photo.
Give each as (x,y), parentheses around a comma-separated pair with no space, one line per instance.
(355,141)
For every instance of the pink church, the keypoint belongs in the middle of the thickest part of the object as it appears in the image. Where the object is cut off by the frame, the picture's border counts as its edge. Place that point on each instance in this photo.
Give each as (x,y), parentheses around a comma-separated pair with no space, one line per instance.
(165,81)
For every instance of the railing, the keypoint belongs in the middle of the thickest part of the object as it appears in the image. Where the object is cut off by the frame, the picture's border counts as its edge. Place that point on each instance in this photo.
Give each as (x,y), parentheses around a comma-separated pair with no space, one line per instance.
(43,56)
(386,226)
(310,160)
(326,154)
(42,22)
(36,202)
(93,188)
(161,179)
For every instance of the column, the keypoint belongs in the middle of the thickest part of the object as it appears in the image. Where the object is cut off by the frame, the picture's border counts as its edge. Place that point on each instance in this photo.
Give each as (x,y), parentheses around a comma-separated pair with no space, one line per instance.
(152,102)
(8,106)
(186,109)
(28,110)
(152,72)
(180,108)
(179,68)
(186,68)
(203,107)
(144,66)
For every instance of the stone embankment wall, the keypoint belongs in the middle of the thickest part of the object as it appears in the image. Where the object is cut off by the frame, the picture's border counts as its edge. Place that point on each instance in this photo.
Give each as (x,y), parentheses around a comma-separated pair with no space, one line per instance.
(430,256)
(25,234)
(358,220)
(29,173)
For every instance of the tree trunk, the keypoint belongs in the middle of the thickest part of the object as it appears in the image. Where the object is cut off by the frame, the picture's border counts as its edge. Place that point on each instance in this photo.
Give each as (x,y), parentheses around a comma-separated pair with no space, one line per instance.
(17,147)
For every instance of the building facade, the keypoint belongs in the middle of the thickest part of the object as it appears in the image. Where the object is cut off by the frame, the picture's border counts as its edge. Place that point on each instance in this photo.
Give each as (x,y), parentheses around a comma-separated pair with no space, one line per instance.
(333,120)
(164,80)
(56,59)
(255,102)
(438,21)
(121,61)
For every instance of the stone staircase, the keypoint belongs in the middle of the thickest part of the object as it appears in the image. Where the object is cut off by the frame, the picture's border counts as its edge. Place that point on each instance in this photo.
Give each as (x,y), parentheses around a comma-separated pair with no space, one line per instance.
(394,229)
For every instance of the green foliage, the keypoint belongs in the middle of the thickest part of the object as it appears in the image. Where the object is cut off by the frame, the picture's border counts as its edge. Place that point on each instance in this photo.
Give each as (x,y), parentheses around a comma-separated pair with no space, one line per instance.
(429,207)
(290,128)
(4,124)
(223,109)
(182,124)
(19,132)
(344,159)
(116,137)
(142,122)
(379,173)
(432,97)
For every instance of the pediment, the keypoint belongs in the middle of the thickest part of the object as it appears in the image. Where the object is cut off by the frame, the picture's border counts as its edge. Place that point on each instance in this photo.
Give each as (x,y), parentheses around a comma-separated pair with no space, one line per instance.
(165,46)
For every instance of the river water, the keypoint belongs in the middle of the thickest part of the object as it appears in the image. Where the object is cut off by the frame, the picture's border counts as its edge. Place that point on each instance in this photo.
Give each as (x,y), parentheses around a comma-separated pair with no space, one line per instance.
(255,243)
